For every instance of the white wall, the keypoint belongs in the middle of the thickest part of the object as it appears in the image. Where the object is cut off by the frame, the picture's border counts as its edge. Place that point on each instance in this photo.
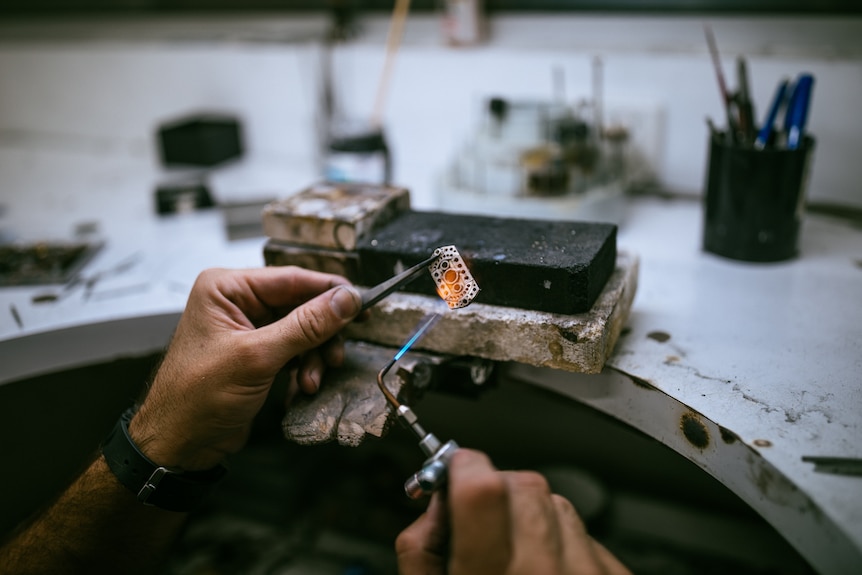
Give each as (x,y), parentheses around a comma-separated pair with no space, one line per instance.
(98,88)
(650,63)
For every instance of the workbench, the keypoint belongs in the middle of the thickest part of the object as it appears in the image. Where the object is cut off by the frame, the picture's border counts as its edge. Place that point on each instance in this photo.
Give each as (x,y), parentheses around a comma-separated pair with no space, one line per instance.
(741,368)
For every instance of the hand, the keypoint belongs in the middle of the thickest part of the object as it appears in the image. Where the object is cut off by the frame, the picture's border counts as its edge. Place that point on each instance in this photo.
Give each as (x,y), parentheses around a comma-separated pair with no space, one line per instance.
(239,329)
(500,523)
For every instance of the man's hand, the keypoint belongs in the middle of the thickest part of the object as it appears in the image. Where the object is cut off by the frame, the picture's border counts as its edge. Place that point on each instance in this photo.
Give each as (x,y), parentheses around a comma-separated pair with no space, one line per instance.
(239,329)
(499,523)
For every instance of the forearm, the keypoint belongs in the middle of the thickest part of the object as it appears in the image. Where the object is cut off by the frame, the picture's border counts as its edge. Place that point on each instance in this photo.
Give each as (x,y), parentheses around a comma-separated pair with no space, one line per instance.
(238,331)
(96,526)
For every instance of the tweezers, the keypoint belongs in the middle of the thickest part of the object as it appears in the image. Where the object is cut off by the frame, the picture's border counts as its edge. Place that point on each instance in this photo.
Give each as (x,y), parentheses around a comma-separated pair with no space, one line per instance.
(373,295)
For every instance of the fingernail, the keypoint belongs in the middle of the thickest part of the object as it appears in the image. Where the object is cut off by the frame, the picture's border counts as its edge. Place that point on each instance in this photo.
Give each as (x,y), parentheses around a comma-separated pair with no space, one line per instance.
(314,380)
(345,302)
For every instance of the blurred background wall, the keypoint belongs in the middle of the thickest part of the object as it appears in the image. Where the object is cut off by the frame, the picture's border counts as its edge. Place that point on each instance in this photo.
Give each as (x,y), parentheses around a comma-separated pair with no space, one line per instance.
(96,87)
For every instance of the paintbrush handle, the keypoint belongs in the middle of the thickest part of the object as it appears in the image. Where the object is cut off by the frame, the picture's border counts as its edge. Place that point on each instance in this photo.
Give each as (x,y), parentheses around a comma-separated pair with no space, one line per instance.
(393,41)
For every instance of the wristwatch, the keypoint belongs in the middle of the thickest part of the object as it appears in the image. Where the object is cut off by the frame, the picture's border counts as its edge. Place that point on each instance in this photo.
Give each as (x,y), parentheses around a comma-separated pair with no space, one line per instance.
(164,487)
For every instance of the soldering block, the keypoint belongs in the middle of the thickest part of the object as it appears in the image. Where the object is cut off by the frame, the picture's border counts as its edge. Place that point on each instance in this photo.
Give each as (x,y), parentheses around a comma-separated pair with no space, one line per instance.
(549,266)
(333,215)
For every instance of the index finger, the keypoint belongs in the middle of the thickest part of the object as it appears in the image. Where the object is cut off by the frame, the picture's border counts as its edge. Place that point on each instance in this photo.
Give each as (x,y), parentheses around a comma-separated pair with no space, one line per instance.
(479,512)
(284,286)
(537,546)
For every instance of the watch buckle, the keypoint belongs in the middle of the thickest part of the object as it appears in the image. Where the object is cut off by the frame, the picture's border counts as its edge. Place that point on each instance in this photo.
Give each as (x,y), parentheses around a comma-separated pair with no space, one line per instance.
(151,484)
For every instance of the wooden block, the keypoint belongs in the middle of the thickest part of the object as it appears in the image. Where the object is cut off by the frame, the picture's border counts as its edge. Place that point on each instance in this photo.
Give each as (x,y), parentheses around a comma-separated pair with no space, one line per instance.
(550,266)
(333,215)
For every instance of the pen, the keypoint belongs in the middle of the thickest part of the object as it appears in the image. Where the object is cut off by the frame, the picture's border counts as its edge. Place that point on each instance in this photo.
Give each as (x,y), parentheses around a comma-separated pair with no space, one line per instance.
(797,110)
(768,123)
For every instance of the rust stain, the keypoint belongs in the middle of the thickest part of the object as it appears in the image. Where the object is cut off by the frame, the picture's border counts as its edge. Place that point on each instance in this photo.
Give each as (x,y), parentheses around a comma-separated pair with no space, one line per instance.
(694,430)
(659,336)
(727,435)
(671,359)
(762,443)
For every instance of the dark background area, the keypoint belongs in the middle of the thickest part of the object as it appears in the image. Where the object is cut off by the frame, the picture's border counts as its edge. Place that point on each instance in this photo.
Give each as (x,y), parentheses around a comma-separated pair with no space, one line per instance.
(51,426)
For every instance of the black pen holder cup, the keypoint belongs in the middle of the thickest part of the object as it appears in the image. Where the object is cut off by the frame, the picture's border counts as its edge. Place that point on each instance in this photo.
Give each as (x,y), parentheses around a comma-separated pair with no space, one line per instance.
(755,200)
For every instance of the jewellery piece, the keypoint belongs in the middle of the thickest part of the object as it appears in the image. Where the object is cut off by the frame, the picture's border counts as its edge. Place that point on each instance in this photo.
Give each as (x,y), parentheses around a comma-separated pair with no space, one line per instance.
(455,283)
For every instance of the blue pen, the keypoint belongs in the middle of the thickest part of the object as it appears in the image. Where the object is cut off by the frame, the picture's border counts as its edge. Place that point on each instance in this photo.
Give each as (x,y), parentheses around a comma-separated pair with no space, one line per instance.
(797,110)
(768,124)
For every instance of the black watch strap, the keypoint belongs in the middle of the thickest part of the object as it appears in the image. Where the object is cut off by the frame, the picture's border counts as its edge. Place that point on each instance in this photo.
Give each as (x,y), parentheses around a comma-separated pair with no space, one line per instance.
(164,487)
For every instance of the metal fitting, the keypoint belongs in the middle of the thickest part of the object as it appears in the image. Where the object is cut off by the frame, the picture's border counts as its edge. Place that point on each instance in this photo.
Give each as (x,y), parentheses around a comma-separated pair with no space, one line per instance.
(433,474)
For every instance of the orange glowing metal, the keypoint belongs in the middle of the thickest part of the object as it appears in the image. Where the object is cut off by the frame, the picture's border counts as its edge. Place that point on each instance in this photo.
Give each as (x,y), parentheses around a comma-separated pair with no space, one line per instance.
(455,283)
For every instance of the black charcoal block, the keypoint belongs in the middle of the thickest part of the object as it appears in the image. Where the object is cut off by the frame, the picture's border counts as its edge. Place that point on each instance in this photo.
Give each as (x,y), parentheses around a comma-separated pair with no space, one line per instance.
(552,266)
(206,140)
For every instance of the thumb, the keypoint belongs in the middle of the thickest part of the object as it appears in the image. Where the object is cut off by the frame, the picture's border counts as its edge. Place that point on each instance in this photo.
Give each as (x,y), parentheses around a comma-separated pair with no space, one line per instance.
(316,321)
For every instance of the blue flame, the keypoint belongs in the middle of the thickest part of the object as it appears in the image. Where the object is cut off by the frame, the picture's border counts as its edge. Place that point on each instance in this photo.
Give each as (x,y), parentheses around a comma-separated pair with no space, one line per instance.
(428,324)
